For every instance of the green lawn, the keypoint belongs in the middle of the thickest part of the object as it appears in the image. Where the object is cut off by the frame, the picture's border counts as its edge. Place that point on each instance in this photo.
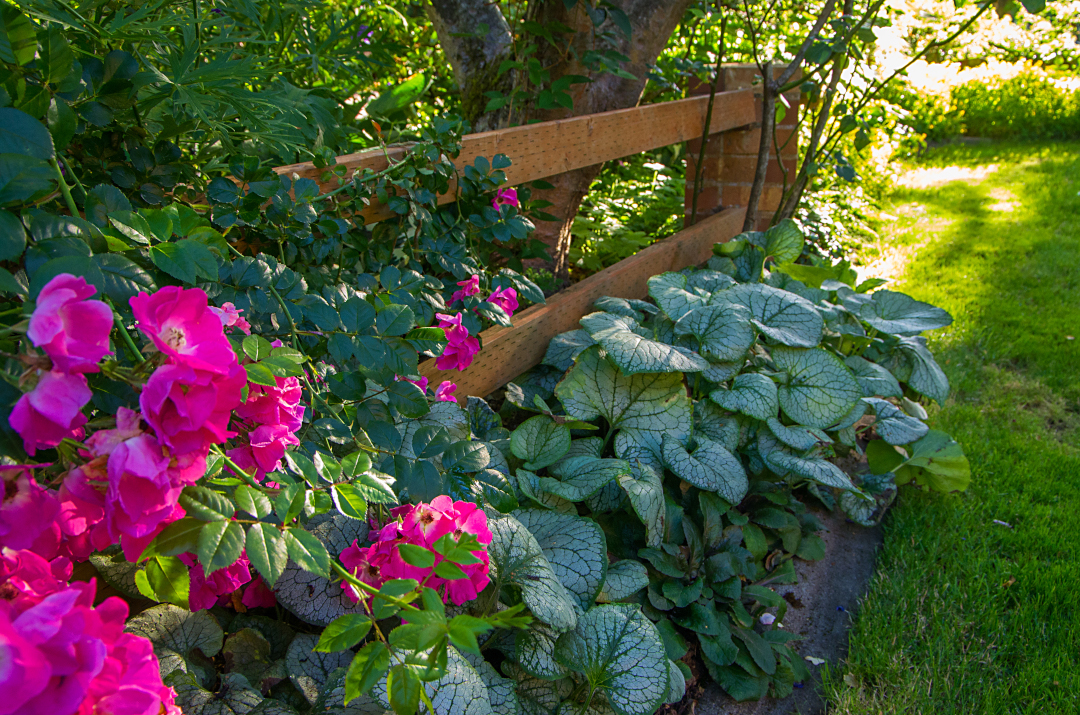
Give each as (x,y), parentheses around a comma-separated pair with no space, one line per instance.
(965,615)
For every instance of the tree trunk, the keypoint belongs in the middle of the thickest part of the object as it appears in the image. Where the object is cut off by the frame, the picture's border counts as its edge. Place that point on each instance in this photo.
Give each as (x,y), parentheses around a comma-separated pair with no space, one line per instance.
(475,58)
(651,22)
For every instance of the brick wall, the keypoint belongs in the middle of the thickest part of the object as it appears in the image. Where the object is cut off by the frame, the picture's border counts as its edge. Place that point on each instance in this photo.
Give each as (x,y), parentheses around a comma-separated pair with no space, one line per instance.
(731,157)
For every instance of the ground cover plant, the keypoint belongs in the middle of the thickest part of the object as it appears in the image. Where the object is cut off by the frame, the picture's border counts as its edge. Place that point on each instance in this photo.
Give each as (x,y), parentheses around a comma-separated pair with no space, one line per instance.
(977,594)
(715,411)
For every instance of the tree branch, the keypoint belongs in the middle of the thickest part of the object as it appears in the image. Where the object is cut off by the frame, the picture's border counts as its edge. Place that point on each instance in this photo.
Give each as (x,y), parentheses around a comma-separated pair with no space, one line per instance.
(797,61)
(700,166)
(768,121)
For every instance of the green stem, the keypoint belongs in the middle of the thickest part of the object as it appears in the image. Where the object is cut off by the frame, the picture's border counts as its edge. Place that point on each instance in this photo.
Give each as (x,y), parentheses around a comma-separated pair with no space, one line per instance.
(239,471)
(74,176)
(132,348)
(371,590)
(64,189)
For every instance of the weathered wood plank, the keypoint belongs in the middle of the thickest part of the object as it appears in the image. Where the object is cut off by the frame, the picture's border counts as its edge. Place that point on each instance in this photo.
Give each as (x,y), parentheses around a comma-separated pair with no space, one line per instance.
(549,148)
(508,352)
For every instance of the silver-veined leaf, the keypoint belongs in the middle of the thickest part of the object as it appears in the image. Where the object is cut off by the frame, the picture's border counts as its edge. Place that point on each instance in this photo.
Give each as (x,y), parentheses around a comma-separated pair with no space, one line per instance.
(314,598)
(642,407)
(574,546)
(784,317)
(584,477)
(176,634)
(565,347)
(875,380)
(645,490)
(900,314)
(821,471)
(624,579)
(517,559)
(309,670)
(710,467)
(820,388)
(535,650)
(751,394)
(540,441)
(893,425)
(669,290)
(634,353)
(724,330)
(796,436)
(620,652)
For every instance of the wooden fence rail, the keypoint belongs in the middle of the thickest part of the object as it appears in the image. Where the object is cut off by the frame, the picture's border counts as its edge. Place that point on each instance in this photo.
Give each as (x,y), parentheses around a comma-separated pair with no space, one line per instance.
(539,151)
(549,148)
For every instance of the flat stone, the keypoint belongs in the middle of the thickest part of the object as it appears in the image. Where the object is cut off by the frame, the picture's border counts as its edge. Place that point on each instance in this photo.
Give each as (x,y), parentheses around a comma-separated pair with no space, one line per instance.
(820,609)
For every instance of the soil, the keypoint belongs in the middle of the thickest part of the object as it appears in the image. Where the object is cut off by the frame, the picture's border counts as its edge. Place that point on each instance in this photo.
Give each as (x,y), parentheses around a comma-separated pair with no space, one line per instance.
(820,609)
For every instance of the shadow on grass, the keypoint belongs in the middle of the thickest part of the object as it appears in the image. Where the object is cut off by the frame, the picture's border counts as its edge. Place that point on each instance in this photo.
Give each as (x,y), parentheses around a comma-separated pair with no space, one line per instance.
(975,607)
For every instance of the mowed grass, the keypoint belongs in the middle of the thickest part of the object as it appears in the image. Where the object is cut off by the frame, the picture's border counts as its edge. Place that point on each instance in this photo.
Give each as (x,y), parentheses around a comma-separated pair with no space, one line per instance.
(965,615)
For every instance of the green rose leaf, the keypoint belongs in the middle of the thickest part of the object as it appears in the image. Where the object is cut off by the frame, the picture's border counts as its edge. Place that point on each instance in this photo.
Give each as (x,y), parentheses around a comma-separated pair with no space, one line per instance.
(540,441)
(751,394)
(875,380)
(936,461)
(899,314)
(460,691)
(820,388)
(669,290)
(893,425)
(621,654)
(183,641)
(220,545)
(22,134)
(782,316)
(516,558)
(642,407)
(724,330)
(624,579)
(309,669)
(574,546)
(634,353)
(314,598)
(265,547)
(584,477)
(710,467)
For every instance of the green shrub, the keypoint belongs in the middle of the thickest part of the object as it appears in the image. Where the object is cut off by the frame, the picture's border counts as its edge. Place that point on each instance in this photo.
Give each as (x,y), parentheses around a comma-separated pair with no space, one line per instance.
(1027,106)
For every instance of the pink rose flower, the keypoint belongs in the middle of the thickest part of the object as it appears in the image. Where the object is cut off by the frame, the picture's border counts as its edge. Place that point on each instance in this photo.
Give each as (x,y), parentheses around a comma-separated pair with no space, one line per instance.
(458,355)
(27,513)
(128,425)
(139,495)
(265,449)
(505,197)
(422,525)
(73,331)
(230,317)
(469,286)
(207,591)
(51,411)
(505,298)
(27,578)
(422,383)
(181,325)
(461,348)
(274,405)
(258,595)
(190,409)
(445,392)
(60,655)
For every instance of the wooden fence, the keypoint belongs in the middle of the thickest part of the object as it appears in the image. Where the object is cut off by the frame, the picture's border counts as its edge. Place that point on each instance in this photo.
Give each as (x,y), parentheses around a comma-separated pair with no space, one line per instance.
(539,151)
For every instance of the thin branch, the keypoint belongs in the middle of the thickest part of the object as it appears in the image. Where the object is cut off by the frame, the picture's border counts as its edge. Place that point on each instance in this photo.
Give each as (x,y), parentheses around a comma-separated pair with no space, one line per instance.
(797,61)
(699,168)
(768,121)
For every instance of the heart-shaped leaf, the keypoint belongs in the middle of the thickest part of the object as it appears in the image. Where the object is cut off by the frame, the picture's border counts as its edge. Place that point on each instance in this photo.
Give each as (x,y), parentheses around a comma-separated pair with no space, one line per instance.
(724,330)
(624,579)
(309,670)
(669,290)
(634,353)
(584,477)
(900,314)
(642,407)
(875,380)
(751,394)
(619,651)
(540,441)
(519,560)
(782,316)
(893,425)
(574,546)
(710,467)
(820,388)
(182,640)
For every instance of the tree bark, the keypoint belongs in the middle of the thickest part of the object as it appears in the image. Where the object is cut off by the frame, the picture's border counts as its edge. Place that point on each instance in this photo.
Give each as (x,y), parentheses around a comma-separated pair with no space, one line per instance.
(475,57)
(651,22)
